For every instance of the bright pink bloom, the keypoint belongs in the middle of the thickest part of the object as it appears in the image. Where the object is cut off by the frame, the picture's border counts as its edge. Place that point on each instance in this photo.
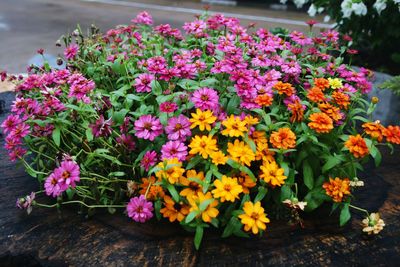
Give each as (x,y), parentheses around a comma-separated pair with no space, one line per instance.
(17,153)
(80,87)
(178,128)
(67,174)
(10,123)
(168,107)
(148,127)
(71,51)
(149,159)
(21,130)
(196,27)
(205,98)
(52,186)
(139,209)
(174,149)
(143,18)
(143,83)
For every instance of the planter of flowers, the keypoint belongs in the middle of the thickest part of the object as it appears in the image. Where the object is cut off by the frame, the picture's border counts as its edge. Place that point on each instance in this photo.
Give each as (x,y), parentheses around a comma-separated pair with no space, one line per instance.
(220,126)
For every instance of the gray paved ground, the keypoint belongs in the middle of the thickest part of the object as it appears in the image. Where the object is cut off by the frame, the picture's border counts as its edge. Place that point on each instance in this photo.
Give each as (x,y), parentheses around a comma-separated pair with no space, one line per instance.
(26,25)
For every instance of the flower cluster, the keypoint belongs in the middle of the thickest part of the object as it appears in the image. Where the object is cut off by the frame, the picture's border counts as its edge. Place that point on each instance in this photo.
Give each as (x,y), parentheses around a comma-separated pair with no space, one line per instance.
(219,127)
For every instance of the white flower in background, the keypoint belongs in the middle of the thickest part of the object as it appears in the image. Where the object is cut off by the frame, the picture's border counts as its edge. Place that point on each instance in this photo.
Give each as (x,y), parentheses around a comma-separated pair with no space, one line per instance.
(380,5)
(327,18)
(312,10)
(347,9)
(283,2)
(299,3)
(360,9)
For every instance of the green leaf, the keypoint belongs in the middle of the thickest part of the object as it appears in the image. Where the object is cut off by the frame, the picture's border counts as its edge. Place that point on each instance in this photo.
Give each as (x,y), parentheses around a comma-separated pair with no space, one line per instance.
(203,205)
(89,134)
(286,192)
(173,192)
(156,87)
(157,207)
(331,162)
(191,216)
(262,191)
(208,82)
(119,116)
(116,174)
(345,214)
(193,162)
(308,175)
(198,236)
(56,136)
(233,104)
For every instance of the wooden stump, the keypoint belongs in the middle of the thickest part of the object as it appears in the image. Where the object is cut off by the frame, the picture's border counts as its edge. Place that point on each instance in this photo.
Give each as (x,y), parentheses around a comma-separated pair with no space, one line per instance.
(47,238)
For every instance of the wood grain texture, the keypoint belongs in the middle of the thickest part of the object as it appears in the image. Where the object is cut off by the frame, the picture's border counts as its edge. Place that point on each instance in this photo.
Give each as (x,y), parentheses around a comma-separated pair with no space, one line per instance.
(48,238)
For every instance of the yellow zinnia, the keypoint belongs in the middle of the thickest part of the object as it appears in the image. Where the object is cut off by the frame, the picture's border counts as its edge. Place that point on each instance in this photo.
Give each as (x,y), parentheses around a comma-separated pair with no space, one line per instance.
(210,212)
(227,189)
(241,152)
(254,217)
(335,83)
(203,119)
(272,174)
(203,145)
(234,127)
(218,158)
(171,170)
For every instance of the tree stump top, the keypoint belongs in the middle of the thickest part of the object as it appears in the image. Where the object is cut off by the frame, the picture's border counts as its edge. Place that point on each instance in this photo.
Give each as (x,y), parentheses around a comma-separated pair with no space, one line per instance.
(49,238)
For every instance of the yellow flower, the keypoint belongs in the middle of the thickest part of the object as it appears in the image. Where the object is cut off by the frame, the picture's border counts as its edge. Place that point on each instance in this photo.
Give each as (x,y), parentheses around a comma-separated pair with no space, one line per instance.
(218,157)
(204,145)
(241,152)
(254,217)
(272,174)
(203,119)
(373,224)
(210,212)
(192,187)
(234,127)
(174,211)
(250,120)
(246,182)
(335,83)
(227,189)
(171,170)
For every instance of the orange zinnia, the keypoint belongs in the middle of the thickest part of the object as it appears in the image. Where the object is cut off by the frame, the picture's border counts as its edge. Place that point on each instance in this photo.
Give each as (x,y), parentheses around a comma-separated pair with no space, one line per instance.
(297,111)
(284,88)
(357,146)
(315,94)
(154,192)
(264,100)
(320,122)
(330,110)
(337,188)
(283,138)
(392,134)
(374,129)
(321,83)
(342,99)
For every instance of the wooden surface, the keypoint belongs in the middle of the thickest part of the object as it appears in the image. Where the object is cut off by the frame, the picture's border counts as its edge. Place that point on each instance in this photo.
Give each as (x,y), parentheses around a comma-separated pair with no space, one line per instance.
(47,238)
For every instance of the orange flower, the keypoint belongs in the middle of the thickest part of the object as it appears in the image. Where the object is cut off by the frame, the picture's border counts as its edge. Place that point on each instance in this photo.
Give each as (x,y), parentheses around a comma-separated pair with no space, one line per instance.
(297,111)
(174,211)
(246,182)
(264,100)
(283,138)
(392,134)
(315,94)
(320,122)
(374,129)
(284,88)
(342,99)
(337,188)
(357,146)
(330,110)
(154,192)
(321,83)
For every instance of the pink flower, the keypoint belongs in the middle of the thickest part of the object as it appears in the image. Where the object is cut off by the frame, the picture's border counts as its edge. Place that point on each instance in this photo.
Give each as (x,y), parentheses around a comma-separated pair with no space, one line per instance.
(127,141)
(10,123)
(21,130)
(149,159)
(148,127)
(143,18)
(139,209)
(196,27)
(174,149)
(101,127)
(67,174)
(300,38)
(17,153)
(71,51)
(52,186)
(168,107)
(142,83)
(178,128)
(80,87)
(205,98)
(26,202)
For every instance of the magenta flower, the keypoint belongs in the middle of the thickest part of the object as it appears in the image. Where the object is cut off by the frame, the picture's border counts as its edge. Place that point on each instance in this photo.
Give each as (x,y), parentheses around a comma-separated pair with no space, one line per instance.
(168,107)
(148,127)
(67,174)
(71,51)
(143,18)
(80,87)
(101,127)
(205,98)
(139,209)
(10,123)
(17,153)
(174,149)
(127,141)
(178,128)
(21,130)
(143,83)
(149,159)
(51,186)
(26,202)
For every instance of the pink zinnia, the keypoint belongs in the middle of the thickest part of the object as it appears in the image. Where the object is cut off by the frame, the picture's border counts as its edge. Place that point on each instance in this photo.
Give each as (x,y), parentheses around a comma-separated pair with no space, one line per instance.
(143,18)
(21,130)
(143,83)
(10,123)
(178,128)
(127,141)
(149,159)
(101,127)
(26,202)
(148,127)
(205,98)
(168,107)
(71,51)
(174,149)
(67,174)
(17,153)
(52,186)
(139,209)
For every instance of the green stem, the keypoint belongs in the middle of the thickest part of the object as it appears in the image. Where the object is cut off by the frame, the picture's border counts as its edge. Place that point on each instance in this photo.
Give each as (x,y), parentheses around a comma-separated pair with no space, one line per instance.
(360,209)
